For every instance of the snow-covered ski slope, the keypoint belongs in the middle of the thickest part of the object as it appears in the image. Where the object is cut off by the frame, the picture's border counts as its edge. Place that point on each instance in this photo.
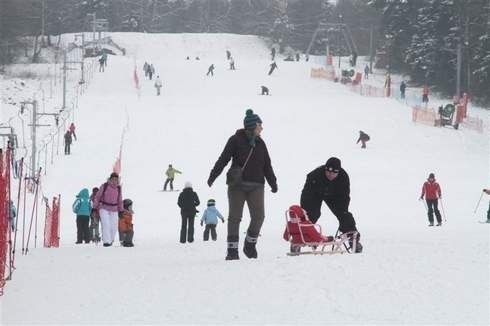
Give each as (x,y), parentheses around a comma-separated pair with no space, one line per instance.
(408,274)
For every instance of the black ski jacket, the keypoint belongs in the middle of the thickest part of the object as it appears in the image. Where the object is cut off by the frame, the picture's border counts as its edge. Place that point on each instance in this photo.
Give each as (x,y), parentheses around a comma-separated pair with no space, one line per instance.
(237,149)
(188,201)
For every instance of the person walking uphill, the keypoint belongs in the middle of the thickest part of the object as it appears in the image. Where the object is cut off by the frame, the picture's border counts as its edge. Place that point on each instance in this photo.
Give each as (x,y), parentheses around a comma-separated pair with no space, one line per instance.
(108,201)
(330,183)
(363,138)
(432,192)
(188,201)
(82,208)
(249,166)
(68,141)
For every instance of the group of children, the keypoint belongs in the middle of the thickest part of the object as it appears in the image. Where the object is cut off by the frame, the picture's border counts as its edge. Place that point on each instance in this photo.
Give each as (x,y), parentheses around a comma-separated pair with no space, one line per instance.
(88,219)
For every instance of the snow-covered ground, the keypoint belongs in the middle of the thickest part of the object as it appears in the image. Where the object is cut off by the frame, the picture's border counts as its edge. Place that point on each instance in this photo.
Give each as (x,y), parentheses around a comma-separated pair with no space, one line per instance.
(408,273)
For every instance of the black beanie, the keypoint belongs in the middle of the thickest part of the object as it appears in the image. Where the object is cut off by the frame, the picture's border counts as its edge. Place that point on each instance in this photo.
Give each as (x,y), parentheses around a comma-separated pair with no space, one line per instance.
(431,176)
(251,119)
(333,164)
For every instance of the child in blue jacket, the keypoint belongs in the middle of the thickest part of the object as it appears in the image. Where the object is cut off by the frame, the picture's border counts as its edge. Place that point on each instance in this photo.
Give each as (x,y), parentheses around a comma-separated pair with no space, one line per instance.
(82,208)
(210,218)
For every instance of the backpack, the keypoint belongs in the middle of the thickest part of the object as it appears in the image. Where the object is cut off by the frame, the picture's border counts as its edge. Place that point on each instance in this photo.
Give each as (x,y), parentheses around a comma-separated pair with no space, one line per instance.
(76,205)
(104,188)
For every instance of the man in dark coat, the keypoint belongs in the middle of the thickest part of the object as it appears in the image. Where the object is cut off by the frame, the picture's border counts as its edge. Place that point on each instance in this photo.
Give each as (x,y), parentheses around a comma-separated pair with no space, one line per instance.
(188,201)
(403,86)
(250,157)
(330,183)
(68,141)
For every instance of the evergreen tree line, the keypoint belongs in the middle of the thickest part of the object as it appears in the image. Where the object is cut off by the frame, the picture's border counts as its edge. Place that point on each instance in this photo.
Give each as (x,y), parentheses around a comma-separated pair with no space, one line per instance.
(421,39)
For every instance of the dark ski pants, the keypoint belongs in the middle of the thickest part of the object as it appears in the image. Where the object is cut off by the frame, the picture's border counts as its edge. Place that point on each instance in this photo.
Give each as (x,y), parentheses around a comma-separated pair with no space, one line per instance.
(187,229)
(237,196)
(67,149)
(210,72)
(82,229)
(345,218)
(171,181)
(94,229)
(488,212)
(207,229)
(271,71)
(432,208)
(126,237)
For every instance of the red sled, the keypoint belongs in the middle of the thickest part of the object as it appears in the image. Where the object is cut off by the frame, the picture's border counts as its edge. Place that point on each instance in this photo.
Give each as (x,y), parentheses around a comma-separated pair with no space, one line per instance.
(307,238)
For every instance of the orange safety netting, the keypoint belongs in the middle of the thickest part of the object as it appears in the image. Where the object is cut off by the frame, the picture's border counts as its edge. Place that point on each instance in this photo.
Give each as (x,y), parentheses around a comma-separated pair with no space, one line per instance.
(424,115)
(4,211)
(52,225)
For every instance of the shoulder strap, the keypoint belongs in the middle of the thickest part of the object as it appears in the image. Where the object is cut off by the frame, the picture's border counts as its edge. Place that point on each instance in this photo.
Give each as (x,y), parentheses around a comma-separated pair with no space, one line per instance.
(248,157)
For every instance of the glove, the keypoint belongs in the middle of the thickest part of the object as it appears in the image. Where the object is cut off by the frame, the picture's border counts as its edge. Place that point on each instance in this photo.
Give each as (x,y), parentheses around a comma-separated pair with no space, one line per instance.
(421,197)
(274,188)
(210,182)
(120,214)
(201,223)
(223,220)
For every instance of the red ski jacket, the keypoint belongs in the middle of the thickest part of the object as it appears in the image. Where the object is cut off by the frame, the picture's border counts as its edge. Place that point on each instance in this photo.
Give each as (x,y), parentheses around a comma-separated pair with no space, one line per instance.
(431,190)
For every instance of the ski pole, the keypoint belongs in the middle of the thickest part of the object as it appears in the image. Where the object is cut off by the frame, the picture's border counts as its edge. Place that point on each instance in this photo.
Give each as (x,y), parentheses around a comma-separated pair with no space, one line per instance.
(443,213)
(478,204)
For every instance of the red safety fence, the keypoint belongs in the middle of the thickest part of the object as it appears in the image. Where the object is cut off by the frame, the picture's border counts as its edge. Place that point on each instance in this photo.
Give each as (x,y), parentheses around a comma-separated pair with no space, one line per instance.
(4,214)
(328,74)
(52,224)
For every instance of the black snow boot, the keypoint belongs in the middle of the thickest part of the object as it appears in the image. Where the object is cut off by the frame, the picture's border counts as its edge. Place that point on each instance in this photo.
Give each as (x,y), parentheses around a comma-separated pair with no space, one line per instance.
(249,246)
(232,251)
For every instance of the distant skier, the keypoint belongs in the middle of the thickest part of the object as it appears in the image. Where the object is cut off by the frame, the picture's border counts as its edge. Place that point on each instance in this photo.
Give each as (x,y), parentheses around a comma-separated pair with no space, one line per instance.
(265,90)
(487,191)
(104,57)
(210,218)
(170,173)
(297,56)
(151,71)
(146,66)
(188,201)
(366,72)
(273,66)
(68,140)
(363,138)
(232,63)
(210,70)
(101,64)
(228,54)
(72,130)
(403,87)
(273,53)
(158,85)
(425,94)
(432,192)
(353,59)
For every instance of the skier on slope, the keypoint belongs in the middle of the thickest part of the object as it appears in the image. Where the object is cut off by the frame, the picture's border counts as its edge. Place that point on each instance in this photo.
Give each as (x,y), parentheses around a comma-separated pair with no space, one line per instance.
(170,173)
(432,192)
(158,85)
(273,66)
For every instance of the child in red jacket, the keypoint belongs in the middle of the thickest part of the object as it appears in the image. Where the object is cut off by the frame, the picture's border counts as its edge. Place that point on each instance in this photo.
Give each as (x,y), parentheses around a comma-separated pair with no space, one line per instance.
(432,192)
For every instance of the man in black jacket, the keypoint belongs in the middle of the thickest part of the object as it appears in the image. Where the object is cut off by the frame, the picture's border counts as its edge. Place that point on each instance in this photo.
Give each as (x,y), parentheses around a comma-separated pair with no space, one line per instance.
(250,157)
(329,183)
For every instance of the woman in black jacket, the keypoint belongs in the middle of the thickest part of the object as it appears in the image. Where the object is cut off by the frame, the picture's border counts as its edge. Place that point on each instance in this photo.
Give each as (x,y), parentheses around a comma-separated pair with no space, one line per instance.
(250,164)
(188,201)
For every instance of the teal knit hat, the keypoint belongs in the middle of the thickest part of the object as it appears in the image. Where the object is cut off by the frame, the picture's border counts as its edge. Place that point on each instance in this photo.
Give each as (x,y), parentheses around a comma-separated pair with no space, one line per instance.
(211,202)
(251,119)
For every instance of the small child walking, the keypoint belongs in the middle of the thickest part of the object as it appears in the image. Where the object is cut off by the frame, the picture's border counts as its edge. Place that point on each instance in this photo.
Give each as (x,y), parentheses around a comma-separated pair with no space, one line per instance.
(126,231)
(210,218)
(94,218)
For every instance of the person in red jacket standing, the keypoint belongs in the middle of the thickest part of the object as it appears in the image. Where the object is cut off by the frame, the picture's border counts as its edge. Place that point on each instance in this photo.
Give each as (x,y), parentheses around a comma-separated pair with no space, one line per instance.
(432,192)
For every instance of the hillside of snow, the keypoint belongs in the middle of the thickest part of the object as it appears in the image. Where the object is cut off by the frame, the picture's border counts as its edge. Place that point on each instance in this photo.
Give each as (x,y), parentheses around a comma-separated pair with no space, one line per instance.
(408,273)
